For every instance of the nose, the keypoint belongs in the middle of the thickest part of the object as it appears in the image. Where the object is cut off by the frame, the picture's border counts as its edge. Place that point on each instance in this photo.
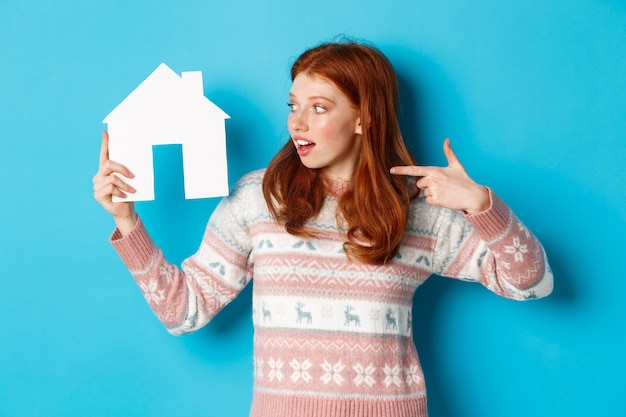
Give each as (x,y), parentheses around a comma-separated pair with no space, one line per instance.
(297,120)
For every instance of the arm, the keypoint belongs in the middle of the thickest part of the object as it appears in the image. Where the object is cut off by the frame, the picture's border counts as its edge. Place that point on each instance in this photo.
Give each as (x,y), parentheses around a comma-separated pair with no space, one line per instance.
(187,298)
(494,248)
(479,238)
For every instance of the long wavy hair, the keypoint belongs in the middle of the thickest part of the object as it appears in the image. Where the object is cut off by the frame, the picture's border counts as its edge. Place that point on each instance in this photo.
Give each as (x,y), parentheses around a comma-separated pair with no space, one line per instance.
(375,207)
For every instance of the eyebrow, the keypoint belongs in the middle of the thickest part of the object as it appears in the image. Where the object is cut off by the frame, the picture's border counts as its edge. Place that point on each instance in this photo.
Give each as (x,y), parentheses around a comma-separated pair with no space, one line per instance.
(315,98)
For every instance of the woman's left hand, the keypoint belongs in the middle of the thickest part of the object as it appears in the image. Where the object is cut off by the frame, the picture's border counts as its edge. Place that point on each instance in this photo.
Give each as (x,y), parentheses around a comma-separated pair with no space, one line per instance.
(450,186)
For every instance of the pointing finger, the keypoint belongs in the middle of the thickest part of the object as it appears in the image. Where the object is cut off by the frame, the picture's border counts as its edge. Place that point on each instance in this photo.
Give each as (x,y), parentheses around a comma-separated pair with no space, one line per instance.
(409,170)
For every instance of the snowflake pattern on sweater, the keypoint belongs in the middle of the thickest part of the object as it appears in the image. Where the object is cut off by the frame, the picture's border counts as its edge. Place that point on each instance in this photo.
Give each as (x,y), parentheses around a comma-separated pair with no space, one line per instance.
(332,335)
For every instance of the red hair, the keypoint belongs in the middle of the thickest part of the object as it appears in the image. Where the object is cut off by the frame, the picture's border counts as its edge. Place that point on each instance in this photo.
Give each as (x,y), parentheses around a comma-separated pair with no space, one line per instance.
(376,206)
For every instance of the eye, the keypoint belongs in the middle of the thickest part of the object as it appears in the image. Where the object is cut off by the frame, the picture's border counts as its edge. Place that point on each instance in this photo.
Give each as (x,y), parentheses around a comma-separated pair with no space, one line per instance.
(319,109)
(292,107)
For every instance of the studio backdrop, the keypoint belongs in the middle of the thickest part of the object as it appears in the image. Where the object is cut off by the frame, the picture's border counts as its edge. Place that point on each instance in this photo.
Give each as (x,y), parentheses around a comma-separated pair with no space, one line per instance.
(531,94)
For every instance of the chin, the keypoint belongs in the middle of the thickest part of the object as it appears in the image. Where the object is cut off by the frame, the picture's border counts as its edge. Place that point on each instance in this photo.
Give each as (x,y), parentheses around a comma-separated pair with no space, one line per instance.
(309,165)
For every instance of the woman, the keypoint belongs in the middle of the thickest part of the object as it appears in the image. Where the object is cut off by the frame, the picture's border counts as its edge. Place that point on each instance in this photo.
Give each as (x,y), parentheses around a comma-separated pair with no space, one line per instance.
(338,232)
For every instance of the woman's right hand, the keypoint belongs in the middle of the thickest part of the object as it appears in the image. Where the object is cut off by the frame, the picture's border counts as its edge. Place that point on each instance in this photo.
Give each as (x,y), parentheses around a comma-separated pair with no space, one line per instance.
(107,184)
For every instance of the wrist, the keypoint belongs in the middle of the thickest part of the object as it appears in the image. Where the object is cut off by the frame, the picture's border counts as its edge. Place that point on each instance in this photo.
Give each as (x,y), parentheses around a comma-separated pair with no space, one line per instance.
(480,201)
(125,224)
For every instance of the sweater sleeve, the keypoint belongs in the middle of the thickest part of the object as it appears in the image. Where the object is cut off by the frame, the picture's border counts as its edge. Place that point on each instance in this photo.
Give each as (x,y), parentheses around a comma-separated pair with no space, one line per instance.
(494,248)
(185,299)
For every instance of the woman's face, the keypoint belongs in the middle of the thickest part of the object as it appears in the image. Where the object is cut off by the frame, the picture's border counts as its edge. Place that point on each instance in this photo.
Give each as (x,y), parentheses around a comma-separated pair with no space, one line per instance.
(324,126)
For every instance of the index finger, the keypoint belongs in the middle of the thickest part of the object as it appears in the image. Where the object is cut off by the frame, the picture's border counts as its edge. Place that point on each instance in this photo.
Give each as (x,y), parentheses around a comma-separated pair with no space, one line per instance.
(410,170)
(104,149)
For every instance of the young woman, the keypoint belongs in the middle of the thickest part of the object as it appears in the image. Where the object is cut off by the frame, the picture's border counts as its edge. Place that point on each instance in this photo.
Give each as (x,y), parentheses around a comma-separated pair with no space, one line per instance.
(338,232)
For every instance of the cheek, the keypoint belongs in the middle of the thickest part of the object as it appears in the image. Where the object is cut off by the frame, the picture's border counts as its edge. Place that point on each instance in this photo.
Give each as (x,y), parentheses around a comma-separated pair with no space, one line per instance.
(326,129)
(336,129)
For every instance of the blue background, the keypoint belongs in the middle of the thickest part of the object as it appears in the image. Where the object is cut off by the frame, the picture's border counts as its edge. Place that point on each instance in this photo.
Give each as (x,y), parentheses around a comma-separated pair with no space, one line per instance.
(531,93)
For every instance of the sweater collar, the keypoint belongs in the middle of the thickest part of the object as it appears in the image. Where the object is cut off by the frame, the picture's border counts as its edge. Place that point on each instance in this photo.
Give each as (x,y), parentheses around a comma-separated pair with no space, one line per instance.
(336,187)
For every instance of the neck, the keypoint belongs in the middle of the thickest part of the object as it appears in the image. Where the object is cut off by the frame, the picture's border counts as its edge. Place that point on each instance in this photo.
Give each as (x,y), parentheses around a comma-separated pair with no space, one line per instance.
(336,187)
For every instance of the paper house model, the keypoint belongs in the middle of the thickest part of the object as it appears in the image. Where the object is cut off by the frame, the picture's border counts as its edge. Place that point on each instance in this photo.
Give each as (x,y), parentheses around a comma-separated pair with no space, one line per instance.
(169,109)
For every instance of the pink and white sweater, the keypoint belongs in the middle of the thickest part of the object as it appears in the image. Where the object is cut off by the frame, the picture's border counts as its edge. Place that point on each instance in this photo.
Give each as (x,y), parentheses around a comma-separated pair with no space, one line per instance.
(332,337)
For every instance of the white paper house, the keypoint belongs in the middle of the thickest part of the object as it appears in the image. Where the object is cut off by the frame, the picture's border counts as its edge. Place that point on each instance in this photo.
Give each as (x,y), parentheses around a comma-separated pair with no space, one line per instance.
(168,109)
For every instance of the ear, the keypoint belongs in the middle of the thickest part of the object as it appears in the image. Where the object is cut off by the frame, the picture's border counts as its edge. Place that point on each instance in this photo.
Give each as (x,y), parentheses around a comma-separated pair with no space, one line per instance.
(358,130)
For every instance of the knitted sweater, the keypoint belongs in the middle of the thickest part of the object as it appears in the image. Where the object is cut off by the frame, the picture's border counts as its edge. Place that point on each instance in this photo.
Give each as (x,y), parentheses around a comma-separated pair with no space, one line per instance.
(332,337)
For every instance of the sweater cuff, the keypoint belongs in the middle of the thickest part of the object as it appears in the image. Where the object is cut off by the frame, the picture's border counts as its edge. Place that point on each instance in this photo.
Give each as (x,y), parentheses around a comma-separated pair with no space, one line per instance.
(493,222)
(136,249)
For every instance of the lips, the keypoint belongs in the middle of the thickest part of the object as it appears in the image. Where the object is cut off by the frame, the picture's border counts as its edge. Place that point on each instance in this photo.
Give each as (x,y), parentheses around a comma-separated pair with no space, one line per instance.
(303,146)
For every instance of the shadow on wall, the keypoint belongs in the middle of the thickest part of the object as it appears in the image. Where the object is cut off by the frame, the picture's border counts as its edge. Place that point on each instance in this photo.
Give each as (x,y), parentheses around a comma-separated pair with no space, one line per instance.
(419,115)
(425,303)
(414,125)
(423,111)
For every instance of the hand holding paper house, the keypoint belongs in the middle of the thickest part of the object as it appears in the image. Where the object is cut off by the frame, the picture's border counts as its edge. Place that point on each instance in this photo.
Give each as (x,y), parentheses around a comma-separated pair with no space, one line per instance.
(168,109)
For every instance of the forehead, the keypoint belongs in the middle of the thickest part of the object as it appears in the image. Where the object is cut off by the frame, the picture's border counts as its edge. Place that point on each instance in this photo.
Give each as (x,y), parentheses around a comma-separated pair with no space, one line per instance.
(305,86)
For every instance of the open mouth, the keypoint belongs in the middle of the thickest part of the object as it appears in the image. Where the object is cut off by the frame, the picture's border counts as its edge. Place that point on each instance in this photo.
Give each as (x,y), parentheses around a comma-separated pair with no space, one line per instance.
(304,146)
(303,143)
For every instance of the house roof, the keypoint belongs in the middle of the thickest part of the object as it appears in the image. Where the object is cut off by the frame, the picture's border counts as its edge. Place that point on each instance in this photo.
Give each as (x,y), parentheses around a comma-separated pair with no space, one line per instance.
(166,94)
